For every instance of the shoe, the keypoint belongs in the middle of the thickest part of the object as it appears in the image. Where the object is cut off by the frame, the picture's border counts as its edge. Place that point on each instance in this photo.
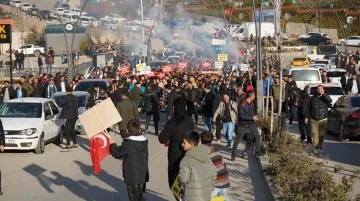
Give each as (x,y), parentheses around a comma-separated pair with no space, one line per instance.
(258,154)
(74,147)
(66,149)
(1,193)
(232,158)
(244,155)
(229,147)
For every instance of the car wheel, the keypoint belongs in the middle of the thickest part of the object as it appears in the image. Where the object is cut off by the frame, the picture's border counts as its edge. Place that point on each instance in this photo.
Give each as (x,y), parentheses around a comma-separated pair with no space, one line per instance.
(342,134)
(40,148)
(342,44)
(37,53)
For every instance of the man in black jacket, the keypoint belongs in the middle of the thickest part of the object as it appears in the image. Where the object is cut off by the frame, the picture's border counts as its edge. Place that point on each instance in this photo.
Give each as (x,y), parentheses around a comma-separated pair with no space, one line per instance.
(319,113)
(2,146)
(345,79)
(218,98)
(192,103)
(38,88)
(69,111)
(293,98)
(151,102)
(353,85)
(6,93)
(207,107)
(246,123)
(171,96)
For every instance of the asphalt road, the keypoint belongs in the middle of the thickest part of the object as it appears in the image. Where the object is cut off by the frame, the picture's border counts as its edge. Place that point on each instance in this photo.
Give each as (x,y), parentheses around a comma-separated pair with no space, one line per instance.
(59,176)
(336,152)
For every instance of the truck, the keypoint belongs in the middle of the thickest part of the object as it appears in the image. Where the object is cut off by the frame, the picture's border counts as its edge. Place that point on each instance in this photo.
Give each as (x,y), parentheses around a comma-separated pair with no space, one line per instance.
(244,31)
(30,49)
(322,51)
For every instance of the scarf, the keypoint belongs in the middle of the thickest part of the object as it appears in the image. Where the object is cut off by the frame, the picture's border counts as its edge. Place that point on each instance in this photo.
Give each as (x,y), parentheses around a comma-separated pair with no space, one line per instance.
(48,90)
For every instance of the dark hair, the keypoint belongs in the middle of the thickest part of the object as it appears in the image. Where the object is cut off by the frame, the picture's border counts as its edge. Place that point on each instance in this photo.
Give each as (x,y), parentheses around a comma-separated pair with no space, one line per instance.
(133,127)
(18,82)
(222,87)
(250,93)
(206,137)
(179,110)
(208,86)
(125,93)
(293,84)
(192,137)
(31,76)
(168,86)
(69,89)
(114,81)
(23,77)
(96,85)
(6,81)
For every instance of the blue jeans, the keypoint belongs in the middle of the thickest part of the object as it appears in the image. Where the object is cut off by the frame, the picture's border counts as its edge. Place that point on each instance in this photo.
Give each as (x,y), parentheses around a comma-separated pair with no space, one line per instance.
(208,123)
(49,67)
(292,113)
(228,129)
(40,69)
(220,192)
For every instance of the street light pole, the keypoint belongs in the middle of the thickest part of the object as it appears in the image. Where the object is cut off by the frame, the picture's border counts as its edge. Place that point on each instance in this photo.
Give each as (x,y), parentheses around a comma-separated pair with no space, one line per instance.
(142,21)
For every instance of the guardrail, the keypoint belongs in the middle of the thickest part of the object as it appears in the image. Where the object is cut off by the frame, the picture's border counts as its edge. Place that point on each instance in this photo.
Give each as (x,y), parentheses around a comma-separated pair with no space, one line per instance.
(83,68)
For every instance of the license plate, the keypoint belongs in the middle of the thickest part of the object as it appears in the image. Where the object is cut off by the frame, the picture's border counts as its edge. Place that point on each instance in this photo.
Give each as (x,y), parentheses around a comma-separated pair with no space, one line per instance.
(9,141)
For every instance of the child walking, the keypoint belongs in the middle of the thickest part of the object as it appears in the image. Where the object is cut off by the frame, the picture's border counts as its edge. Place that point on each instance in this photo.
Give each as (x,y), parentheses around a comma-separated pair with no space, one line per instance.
(134,150)
(197,174)
(222,179)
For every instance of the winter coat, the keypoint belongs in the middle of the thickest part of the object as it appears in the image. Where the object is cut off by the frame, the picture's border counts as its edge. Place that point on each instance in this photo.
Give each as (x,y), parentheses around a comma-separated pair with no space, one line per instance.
(134,150)
(303,107)
(69,107)
(128,111)
(319,107)
(173,132)
(135,94)
(151,101)
(207,104)
(170,102)
(293,95)
(197,174)
(233,110)
(2,136)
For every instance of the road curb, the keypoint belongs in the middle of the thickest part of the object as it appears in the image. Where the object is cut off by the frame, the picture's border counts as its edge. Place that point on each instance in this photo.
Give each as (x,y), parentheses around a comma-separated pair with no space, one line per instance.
(264,161)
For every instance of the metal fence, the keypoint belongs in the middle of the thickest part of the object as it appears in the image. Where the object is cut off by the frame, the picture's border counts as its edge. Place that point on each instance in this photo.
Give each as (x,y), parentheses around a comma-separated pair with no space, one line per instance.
(83,68)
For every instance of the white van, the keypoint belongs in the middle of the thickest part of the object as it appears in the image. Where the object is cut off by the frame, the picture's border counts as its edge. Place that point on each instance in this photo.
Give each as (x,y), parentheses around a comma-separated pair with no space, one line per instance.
(247,28)
(70,17)
(87,21)
(304,75)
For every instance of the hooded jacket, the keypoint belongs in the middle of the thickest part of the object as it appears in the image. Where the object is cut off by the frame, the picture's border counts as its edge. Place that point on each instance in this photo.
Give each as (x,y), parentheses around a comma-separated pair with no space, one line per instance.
(197,174)
(134,150)
(151,101)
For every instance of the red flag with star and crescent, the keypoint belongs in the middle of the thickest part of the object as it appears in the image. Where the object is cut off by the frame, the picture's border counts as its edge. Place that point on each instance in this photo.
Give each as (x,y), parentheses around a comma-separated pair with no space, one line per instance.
(99,150)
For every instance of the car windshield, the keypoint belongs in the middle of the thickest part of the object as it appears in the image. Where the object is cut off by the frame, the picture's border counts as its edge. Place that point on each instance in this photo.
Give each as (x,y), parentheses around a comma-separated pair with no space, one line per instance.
(355,101)
(81,100)
(86,86)
(26,5)
(335,74)
(74,16)
(299,59)
(321,62)
(331,91)
(113,21)
(323,50)
(305,75)
(21,110)
(46,11)
(85,19)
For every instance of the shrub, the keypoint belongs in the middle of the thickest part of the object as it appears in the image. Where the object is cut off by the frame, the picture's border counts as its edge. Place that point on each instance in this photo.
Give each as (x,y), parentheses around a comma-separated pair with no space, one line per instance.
(291,43)
(84,45)
(297,177)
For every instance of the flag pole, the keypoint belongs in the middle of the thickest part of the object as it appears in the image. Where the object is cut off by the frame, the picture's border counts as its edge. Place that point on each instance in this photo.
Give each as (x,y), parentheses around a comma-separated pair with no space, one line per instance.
(105,131)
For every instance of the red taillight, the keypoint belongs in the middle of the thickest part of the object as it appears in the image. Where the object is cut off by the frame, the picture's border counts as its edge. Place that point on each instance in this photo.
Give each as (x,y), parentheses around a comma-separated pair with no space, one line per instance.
(355,115)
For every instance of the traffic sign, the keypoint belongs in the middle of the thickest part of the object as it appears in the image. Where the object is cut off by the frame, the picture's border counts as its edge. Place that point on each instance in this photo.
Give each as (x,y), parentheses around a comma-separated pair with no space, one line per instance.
(5,33)
(222,57)
(148,30)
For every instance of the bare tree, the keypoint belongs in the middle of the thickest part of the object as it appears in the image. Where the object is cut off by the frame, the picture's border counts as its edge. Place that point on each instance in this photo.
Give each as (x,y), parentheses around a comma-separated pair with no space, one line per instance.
(277,6)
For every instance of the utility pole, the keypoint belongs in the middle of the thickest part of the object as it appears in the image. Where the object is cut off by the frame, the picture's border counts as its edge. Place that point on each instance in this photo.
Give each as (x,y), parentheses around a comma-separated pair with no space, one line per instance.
(319,16)
(277,6)
(142,21)
(161,11)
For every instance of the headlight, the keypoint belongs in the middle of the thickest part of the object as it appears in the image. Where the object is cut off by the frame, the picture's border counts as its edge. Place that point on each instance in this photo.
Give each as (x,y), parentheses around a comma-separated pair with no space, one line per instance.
(29,131)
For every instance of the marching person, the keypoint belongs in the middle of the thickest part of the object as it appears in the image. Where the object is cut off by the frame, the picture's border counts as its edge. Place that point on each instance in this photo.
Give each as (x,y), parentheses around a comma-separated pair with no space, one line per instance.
(2,146)
(318,113)
(227,111)
(246,123)
(69,105)
(128,111)
(151,102)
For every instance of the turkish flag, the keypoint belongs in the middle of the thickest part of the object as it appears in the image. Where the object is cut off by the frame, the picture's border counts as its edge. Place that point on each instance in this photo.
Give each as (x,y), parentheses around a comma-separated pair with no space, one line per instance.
(166,68)
(99,150)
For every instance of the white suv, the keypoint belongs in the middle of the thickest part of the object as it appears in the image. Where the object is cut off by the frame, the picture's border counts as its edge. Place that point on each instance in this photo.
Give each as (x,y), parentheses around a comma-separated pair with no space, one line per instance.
(30,123)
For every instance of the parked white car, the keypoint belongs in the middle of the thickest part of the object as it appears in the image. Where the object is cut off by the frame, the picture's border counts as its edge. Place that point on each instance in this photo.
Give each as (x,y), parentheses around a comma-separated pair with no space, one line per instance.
(115,16)
(131,26)
(15,3)
(328,63)
(108,23)
(313,34)
(351,41)
(87,21)
(30,49)
(335,74)
(77,11)
(30,123)
(24,6)
(146,22)
(58,11)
